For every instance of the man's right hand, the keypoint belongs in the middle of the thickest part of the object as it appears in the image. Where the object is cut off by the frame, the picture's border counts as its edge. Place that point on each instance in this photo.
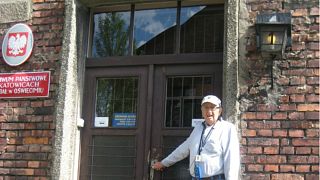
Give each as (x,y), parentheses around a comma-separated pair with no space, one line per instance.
(158,166)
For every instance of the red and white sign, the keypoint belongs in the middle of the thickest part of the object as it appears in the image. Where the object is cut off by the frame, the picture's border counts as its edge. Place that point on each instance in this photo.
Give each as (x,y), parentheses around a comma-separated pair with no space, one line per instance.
(17,44)
(24,85)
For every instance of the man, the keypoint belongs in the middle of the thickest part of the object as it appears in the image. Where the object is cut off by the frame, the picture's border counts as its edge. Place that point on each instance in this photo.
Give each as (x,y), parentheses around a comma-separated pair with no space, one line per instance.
(213,146)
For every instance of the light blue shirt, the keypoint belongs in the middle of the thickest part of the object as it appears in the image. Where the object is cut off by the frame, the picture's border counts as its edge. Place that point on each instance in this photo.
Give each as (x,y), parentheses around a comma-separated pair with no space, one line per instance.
(220,154)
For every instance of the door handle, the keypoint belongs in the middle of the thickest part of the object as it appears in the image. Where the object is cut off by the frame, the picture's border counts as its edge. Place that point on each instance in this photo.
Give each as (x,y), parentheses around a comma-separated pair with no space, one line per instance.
(154,156)
(151,169)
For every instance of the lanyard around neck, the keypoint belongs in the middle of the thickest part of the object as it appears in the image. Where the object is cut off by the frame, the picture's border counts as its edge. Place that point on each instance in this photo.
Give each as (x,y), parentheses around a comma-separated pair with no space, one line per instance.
(203,140)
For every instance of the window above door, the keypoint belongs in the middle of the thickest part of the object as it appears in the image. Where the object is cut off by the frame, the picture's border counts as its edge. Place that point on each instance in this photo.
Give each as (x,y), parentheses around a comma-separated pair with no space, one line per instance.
(172,27)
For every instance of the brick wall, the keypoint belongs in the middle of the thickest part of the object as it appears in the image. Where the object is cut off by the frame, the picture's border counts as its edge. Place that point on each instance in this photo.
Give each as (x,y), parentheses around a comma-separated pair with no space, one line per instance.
(27,126)
(280,126)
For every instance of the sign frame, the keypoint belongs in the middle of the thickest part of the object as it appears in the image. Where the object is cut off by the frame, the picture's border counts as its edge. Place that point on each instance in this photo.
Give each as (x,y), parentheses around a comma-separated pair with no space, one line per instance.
(12,76)
(17,60)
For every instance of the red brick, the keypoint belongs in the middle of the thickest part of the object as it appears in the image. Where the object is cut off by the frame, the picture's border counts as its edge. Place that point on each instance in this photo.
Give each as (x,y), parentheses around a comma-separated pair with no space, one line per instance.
(314,45)
(299,38)
(280,133)
(283,81)
(297,98)
(40,172)
(263,141)
(313,80)
(313,159)
(25,172)
(254,167)
(276,159)
(263,115)
(298,89)
(264,132)
(308,107)
(46,148)
(4,171)
(248,115)
(298,159)
(314,11)
(22,148)
(258,176)
(45,20)
(312,177)
(305,142)
(271,150)
(8,164)
(312,98)
(313,63)
(298,46)
(312,132)
(302,168)
(48,103)
(287,168)
(296,115)
(34,148)
(315,150)
(12,126)
(254,150)
(296,133)
(312,115)
(36,104)
(298,80)
(314,28)
(300,12)
(263,124)
(271,168)
(314,168)
(311,72)
(266,107)
(249,133)
(299,63)
(313,37)
(287,177)
(41,13)
(303,150)
(288,107)
(284,99)
(47,6)
(297,124)
(247,159)
(279,115)
(33,164)
(32,140)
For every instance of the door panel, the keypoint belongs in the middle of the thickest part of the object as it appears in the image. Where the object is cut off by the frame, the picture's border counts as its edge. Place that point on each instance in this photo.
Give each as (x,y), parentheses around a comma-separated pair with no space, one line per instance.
(178,94)
(113,136)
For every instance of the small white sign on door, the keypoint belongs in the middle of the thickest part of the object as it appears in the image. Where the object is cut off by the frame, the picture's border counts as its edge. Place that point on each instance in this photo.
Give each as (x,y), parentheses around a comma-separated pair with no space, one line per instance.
(196,122)
(101,122)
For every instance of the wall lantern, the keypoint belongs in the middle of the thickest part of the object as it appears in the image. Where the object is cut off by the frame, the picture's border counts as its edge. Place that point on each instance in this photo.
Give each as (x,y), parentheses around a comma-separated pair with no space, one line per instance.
(273,34)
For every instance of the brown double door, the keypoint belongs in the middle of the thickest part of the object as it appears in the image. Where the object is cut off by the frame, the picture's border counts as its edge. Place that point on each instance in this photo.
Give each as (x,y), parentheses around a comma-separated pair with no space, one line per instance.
(137,114)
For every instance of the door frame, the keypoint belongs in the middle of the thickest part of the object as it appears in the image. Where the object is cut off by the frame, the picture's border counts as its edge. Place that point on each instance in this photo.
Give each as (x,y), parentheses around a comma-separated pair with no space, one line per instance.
(94,68)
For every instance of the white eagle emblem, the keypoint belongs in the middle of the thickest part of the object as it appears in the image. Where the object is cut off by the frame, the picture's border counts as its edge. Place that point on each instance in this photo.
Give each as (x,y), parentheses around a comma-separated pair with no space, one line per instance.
(17,44)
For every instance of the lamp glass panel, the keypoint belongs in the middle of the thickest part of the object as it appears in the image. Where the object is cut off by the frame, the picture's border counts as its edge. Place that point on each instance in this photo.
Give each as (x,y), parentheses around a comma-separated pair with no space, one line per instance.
(272,38)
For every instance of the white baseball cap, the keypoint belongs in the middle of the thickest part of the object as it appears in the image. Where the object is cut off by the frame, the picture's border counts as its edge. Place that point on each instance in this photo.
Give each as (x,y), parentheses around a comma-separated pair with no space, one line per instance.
(211,99)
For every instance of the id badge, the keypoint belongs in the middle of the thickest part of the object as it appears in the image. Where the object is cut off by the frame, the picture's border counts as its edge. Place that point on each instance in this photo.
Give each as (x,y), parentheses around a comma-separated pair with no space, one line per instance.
(197,170)
(198,158)
(197,166)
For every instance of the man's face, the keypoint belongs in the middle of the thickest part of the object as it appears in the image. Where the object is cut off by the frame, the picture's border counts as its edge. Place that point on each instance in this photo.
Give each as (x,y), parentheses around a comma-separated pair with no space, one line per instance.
(210,113)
